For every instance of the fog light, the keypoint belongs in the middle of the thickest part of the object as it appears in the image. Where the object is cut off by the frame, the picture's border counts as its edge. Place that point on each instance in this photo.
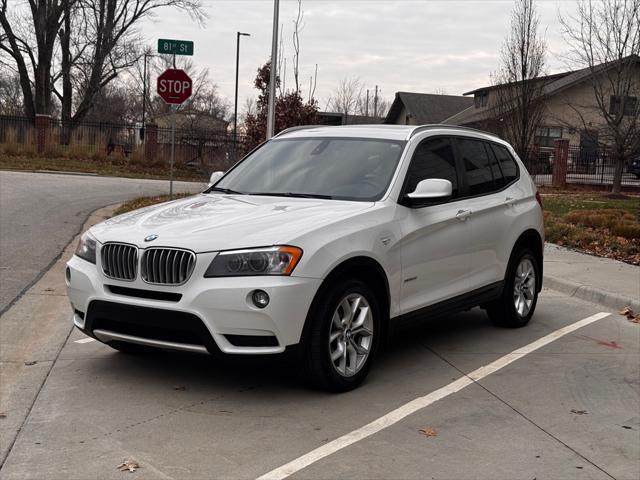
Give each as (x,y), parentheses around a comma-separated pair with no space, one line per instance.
(260,298)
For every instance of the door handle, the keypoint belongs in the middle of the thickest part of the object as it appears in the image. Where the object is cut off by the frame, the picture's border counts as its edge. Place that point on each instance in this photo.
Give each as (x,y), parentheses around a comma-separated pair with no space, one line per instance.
(509,201)
(463,214)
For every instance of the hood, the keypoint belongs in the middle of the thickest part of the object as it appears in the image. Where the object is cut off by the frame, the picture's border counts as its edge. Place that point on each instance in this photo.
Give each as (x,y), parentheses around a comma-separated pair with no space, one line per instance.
(211,222)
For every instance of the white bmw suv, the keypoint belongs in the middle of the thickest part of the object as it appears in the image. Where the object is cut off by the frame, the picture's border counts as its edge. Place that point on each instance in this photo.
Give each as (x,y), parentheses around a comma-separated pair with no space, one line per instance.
(321,241)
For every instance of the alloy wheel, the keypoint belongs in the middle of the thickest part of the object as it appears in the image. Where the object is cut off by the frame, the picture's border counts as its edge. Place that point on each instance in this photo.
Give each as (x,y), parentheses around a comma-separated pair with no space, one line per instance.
(524,287)
(351,334)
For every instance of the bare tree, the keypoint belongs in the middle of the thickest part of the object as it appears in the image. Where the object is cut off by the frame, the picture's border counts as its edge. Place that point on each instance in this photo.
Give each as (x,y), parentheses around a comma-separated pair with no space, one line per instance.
(345,98)
(297,28)
(93,38)
(10,94)
(516,106)
(604,37)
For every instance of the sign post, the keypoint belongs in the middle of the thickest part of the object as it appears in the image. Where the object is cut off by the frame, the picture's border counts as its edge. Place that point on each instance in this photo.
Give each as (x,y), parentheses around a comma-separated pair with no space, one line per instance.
(174,87)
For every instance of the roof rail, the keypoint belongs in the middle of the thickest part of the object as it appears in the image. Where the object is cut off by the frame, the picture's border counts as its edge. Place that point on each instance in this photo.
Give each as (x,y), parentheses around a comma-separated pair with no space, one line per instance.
(299,127)
(422,128)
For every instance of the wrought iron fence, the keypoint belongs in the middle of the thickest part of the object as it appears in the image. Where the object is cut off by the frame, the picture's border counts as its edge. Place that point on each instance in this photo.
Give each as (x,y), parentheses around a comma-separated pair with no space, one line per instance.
(585,166)
(199,149)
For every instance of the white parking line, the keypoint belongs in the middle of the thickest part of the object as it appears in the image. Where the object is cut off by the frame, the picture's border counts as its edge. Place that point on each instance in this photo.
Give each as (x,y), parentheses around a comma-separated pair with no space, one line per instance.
(86,340)
(421,402)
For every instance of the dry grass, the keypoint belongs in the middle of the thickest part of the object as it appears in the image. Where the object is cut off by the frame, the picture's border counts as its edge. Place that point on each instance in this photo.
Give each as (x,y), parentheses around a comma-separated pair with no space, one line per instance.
(116,165)
(595,224)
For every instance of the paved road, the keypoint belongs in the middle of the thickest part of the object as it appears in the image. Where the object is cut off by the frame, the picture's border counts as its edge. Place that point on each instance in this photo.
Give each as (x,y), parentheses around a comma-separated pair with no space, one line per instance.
(40,213)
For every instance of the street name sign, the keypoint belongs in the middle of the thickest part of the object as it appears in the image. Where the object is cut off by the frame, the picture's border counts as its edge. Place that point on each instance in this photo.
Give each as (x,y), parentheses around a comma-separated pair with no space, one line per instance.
(175,47)
(174,86)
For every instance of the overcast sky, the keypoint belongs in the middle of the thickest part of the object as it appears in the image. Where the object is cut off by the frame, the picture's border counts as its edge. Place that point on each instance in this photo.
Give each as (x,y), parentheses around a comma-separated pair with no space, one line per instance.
(415,45)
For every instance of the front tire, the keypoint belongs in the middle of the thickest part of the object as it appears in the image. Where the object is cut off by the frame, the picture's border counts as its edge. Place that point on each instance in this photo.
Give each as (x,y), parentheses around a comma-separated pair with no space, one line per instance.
(518,302)
(343,337)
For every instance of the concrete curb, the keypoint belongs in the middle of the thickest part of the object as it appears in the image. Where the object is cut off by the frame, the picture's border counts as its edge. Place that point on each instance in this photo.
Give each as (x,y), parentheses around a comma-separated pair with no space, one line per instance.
(591,294)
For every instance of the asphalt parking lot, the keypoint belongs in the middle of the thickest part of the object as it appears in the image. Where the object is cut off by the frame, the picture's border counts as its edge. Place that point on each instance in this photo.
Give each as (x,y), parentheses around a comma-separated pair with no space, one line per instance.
(569,409)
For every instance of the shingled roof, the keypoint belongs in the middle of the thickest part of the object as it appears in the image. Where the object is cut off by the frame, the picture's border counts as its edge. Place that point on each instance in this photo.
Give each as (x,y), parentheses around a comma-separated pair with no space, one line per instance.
(553,84)
(427,107)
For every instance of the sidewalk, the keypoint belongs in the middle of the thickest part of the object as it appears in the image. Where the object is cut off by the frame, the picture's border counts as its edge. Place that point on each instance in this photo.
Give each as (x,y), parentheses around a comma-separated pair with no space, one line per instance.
(601,280)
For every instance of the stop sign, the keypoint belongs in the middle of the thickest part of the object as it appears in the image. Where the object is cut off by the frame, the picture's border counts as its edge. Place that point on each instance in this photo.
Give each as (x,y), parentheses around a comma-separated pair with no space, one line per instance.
(174,86)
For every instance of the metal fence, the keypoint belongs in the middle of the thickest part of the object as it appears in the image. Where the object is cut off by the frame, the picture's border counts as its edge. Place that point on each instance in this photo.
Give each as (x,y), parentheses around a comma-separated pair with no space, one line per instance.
(198,149)
(16,131)
(585,166)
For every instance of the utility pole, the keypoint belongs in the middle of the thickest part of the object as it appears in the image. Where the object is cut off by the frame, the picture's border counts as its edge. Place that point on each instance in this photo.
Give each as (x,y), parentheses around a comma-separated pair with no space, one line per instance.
(144,96)
(271,112)
(235,107)
(366,107)
(375,103)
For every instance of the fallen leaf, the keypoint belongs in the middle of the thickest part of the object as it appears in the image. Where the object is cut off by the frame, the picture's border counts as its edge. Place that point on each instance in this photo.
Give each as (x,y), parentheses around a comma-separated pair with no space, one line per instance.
(128,464)
(579,412)
(49,290)
(627,427)
(180,388)
(630,314)
(428,432)
(3,415)
(28,364)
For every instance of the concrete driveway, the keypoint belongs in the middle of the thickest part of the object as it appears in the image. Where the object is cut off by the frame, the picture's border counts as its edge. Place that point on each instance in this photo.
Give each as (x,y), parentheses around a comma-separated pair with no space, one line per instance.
(40,213)
(566,410)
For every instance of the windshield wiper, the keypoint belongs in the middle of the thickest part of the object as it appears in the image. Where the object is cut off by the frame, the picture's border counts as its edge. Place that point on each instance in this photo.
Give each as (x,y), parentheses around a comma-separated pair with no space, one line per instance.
(293,194)
(222,190)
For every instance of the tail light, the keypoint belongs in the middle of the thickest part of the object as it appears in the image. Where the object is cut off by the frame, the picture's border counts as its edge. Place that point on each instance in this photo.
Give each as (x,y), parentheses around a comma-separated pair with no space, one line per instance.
(539,199)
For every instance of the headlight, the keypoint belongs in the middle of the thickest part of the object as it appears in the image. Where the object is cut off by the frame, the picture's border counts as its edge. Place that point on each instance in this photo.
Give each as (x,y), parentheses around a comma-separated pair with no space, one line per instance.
(256,261)
(87,248)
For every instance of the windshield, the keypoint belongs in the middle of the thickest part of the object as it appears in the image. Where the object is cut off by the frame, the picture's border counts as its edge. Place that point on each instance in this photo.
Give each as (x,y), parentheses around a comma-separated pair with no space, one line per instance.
(339,168)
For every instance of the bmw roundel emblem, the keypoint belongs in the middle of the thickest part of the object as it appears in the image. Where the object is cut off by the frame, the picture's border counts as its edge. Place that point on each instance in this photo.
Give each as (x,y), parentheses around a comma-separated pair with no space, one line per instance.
(150,238)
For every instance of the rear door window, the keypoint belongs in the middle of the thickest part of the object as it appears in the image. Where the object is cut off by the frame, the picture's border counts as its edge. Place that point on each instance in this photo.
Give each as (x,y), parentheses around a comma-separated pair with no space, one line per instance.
(507,163)
(477,166)
(495,168)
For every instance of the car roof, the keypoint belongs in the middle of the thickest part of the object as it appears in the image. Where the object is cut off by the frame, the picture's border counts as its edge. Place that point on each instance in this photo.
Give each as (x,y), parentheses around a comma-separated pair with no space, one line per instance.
(383,131)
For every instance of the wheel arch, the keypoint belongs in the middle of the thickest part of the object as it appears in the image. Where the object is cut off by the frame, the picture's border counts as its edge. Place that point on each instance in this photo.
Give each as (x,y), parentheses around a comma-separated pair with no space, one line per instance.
(532,240)
(366,269)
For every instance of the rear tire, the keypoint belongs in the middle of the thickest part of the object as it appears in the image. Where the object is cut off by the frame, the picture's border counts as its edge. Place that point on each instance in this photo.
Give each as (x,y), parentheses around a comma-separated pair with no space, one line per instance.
(343,338)
(519,297)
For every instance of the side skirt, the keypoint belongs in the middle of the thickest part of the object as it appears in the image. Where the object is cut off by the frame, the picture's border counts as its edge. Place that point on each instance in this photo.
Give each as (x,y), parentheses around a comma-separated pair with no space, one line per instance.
(447,307)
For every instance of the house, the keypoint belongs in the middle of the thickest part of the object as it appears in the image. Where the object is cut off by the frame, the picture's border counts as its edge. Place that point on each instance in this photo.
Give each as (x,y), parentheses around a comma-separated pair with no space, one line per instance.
(424,108)
(569,111)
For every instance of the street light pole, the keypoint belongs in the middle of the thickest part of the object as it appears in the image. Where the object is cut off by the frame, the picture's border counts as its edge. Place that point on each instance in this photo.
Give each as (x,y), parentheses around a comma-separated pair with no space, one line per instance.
(271,113)
(235,108)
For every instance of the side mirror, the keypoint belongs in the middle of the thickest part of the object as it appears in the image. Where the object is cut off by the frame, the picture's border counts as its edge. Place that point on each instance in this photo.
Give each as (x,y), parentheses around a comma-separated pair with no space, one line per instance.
(215,176)
(430,191)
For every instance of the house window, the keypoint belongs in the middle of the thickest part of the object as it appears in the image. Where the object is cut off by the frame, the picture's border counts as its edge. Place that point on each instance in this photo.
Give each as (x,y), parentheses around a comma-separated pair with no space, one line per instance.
(630,105)
(480,99)
(545,136)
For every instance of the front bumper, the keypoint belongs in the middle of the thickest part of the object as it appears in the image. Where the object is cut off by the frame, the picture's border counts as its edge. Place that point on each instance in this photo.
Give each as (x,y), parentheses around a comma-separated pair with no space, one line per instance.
(222,305)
